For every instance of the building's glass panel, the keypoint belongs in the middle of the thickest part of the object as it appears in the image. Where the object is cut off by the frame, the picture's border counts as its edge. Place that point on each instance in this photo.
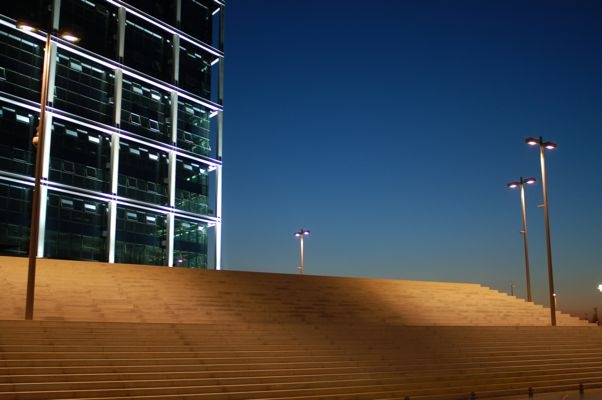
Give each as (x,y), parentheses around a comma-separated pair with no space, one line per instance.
(145,110)
(21,59)
(196,18)
(191,186)
(190,244)
(17,128)
(140,237)
(163,10)
(94,22)
(15,207)
(76,228)
(84,88)
(80,157)
(195,70)
(193,128)
(148,49)
(142,173)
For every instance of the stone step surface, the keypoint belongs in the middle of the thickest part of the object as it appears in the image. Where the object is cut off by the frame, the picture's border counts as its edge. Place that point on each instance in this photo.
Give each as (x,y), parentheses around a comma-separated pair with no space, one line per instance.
(137,332)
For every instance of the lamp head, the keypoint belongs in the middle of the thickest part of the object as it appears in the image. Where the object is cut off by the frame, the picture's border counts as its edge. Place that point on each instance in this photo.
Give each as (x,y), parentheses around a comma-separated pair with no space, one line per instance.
(532,141)
(26,26)
(513,185)
(302,232)
(530,181)
(550,145)
(70,37)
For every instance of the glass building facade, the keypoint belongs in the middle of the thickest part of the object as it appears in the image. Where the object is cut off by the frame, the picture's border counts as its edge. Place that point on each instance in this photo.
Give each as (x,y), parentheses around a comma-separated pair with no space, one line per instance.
(132,151)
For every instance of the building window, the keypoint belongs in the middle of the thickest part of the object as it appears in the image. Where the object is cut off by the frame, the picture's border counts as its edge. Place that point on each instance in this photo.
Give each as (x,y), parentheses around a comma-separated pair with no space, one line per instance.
(75,228)
(84,88)
(148,49)
(191,186)
(142,173)
(138,240)
(80,157)
(190,244)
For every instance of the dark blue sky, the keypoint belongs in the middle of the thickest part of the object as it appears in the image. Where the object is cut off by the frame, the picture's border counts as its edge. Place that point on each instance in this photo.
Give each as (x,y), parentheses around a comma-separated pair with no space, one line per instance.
(390,129)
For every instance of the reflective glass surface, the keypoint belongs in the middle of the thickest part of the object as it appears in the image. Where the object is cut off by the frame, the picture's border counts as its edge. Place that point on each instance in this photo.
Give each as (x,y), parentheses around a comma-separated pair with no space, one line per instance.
(15,204)
(190,244)
(17,128)
(76,228)
(141,237)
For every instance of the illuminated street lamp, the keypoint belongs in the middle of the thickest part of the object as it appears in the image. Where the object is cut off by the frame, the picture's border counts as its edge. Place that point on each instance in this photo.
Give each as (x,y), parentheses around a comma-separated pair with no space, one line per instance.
(39,143)
(301,234)
(521,184)
(542,147)
(600,287)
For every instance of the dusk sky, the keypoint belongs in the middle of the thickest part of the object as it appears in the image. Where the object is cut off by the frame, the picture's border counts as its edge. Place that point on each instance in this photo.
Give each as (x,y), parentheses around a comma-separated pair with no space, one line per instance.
(391,128)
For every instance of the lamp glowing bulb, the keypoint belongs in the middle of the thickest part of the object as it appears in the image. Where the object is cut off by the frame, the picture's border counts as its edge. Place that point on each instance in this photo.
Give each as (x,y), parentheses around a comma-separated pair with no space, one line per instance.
(532,141)
(24,26)
(550,145)
(70,37)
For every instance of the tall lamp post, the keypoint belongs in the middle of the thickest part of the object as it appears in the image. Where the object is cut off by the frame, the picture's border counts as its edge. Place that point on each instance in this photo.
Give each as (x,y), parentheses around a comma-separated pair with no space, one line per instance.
(301,234)
(521,184)
(542,147)
(39,143)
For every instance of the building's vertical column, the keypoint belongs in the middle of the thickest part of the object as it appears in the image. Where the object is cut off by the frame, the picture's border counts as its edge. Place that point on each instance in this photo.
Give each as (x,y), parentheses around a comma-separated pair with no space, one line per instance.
(176,59)
(172,180)
(56,14)
(179,14)
(112,228)
(174,139)
(220,127)
(46,152)
(170,238)
(120,34)
(114,166)
(114,169)
(43,188)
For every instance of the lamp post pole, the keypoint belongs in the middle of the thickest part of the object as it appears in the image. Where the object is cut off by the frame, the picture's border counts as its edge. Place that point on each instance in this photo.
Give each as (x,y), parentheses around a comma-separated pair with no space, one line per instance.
(521,183)
(38,142)
(542,147)
(301,234)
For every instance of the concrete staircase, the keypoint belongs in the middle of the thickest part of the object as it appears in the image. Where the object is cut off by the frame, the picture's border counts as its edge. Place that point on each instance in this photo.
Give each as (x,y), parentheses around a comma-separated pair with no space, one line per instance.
(74,360)
(132,332)
(80,291)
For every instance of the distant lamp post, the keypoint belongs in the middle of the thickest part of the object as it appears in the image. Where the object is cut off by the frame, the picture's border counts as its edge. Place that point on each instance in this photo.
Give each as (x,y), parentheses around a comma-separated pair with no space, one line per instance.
(521,184)
(600,287)
(39,144)
(542,147)
(301,234)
